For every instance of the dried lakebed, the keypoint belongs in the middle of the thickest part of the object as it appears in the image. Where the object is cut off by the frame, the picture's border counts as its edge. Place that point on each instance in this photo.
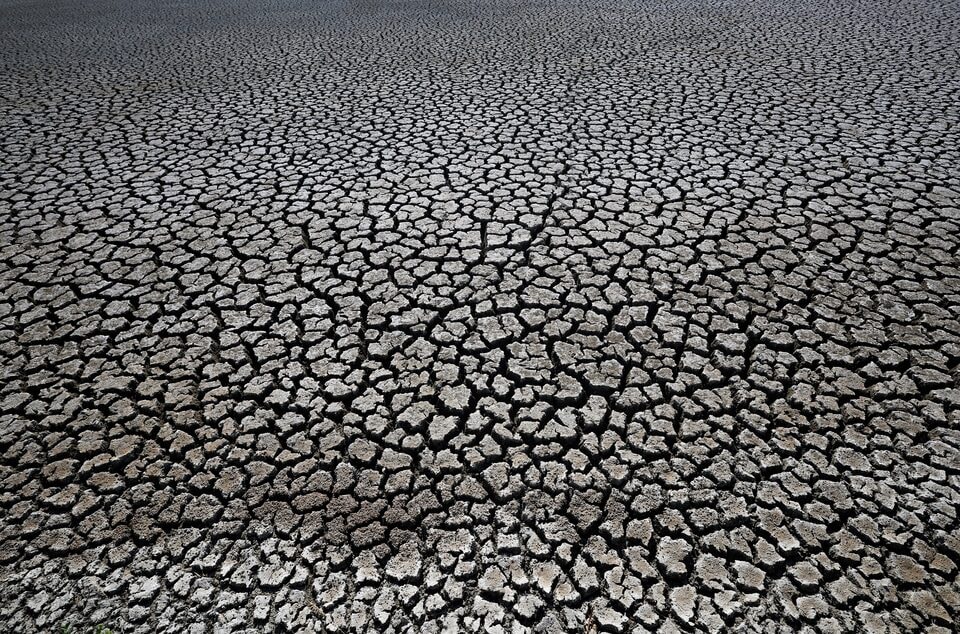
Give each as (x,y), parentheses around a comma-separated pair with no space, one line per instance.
(500,316)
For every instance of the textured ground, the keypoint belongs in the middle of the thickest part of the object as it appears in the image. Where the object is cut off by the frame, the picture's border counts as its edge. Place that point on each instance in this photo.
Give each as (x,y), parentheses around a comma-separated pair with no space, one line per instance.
(495,315)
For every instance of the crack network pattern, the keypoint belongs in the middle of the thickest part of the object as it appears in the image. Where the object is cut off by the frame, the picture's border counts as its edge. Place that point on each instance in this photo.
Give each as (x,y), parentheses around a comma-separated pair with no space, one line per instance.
(492,315)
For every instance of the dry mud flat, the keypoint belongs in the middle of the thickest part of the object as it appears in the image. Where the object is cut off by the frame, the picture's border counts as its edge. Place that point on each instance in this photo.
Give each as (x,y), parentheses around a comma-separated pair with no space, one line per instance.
(480,316)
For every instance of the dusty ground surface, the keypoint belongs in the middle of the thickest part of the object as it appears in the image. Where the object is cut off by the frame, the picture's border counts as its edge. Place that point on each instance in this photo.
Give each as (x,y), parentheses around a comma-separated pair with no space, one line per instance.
(479,316)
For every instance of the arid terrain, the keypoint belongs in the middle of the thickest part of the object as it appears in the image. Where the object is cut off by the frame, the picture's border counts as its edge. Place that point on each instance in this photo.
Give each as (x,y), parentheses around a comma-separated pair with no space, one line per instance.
(479,316)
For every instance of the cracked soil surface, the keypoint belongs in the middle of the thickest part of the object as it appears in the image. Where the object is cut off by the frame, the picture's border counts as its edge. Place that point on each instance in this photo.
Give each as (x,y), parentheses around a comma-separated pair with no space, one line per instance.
(491,315)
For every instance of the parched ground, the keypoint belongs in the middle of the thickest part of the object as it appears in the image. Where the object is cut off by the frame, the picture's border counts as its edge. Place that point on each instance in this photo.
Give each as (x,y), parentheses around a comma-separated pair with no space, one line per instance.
(489,315)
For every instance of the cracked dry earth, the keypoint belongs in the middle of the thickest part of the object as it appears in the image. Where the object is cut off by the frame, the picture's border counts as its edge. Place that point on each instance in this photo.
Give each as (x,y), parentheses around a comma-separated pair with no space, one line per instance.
(498,316)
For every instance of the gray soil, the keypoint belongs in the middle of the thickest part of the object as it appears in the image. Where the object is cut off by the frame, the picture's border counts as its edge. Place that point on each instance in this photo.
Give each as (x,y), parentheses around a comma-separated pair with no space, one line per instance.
(491,315)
